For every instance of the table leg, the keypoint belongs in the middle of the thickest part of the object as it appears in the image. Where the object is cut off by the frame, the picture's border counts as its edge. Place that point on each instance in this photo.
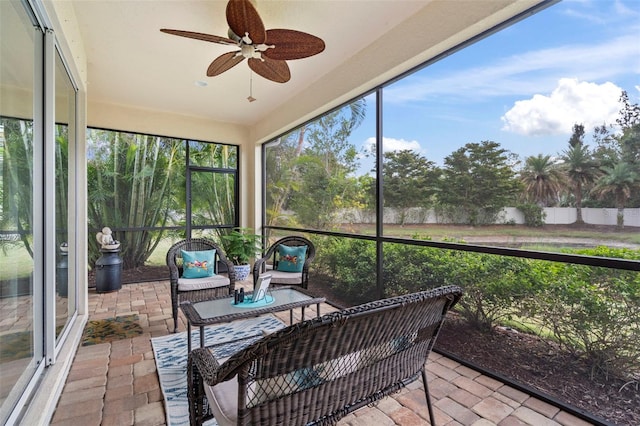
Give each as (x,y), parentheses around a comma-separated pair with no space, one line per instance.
(290,316)
(188,337)
(302,314)
(202,336)
(318,309)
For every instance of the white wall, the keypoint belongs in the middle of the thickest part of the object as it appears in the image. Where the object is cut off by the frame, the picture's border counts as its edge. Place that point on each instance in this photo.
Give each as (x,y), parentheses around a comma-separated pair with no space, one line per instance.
(554,216)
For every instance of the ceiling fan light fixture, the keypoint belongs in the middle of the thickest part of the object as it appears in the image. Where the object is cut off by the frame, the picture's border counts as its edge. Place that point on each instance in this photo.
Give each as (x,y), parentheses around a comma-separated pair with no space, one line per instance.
(249,51)
(266,51)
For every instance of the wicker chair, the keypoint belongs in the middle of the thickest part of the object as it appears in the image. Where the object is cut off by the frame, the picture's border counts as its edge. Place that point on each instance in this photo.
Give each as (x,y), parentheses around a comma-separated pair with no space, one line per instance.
(197,289)
(268,263)
(319,370)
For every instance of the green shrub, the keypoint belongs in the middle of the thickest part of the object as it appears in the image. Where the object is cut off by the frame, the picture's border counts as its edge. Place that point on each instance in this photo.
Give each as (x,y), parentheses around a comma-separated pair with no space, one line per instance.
(594,312)
(494,286)
(534,215)
(409,269)
(351,263)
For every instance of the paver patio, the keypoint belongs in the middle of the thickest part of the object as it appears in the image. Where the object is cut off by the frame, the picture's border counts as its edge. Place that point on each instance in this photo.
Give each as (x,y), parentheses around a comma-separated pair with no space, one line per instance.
(117,383)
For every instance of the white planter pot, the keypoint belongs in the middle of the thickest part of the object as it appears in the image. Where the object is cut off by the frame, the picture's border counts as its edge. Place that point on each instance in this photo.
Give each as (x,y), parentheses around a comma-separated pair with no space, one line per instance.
(242,272)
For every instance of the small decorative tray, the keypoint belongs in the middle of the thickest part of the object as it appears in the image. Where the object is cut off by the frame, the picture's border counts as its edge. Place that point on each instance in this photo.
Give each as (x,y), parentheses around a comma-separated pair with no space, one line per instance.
(248,303)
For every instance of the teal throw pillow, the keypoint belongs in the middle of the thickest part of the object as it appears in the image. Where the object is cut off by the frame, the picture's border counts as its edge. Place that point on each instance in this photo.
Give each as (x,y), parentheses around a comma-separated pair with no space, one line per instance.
(198,264)
(306,378)
(291,259)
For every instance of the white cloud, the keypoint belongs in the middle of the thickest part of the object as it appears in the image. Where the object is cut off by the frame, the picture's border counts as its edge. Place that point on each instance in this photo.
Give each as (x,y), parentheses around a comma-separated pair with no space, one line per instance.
(392,144)
(571,102)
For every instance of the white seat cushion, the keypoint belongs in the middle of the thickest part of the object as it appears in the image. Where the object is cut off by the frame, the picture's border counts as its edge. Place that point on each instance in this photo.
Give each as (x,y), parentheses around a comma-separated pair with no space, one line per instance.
(223,397)
(339,367)
(190,284)
(223,400)
(279,277)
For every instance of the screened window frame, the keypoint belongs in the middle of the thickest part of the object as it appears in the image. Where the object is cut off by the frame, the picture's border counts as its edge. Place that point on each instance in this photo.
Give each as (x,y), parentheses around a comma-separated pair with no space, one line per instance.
(188,168)
(379,238)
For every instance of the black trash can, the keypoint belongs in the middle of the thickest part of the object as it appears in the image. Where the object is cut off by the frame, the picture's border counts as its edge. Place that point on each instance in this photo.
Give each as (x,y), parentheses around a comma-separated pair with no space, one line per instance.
(109,271)
(62,274)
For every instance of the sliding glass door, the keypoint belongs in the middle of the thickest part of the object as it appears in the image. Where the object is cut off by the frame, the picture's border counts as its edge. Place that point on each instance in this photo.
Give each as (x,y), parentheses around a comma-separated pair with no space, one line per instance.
(38,293)
(65,113)
(21,349)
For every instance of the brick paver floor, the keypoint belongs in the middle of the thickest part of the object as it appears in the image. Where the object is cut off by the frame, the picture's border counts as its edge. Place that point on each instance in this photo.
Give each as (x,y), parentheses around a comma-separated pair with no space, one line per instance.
(117,383)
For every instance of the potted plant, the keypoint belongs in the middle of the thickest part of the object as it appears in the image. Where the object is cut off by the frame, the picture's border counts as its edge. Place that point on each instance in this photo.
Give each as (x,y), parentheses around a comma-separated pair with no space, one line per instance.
(241,246)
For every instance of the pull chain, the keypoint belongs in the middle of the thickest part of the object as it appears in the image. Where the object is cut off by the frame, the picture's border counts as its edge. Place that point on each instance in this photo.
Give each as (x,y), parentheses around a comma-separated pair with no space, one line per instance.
(251,98)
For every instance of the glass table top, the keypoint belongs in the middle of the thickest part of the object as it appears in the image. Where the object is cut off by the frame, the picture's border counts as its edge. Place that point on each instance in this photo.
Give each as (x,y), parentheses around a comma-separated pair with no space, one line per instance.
(282,296)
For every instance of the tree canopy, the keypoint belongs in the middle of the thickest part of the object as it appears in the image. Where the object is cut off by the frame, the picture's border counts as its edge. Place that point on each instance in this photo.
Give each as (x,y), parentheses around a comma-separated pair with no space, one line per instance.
(410,180)
(478,181)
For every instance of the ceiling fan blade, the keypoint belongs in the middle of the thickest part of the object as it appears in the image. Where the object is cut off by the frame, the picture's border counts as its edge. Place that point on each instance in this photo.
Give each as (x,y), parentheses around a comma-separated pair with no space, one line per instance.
(292,44)
(223,63)
(243,18)
(271,69)
(200,36)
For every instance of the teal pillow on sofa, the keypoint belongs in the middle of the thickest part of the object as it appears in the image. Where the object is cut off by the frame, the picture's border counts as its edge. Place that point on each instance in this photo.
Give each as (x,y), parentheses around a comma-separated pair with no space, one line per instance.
(291,259)
(198,264)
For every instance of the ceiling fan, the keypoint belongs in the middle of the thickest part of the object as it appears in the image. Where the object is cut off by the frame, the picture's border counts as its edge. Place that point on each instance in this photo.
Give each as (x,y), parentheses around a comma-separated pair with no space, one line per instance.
(266,50)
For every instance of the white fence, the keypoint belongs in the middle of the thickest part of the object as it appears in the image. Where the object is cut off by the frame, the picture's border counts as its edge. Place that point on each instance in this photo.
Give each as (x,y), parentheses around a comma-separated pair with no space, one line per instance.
(554,216)
(567,215)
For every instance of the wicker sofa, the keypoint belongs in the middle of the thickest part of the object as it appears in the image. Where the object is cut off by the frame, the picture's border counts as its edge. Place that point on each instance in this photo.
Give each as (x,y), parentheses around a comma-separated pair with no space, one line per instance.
(319,370)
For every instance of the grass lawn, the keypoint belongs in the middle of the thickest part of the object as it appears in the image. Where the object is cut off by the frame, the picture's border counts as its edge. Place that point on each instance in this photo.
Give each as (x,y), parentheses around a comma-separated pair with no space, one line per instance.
(16,262)
(19,263)
(159,255)
(498,233)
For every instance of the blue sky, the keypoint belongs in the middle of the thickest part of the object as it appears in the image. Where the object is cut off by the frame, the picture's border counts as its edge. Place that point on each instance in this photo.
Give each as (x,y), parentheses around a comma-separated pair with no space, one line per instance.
(523,87)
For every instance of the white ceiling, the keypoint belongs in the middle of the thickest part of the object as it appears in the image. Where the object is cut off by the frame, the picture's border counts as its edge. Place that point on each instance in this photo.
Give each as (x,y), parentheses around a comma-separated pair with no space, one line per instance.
(130,62)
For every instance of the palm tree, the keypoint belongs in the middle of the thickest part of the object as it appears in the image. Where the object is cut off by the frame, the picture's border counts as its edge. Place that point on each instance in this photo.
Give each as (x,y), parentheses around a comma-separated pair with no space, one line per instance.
(17,180)
(130,179)
(283,177)
(581,169)
(620,181)
(542,180)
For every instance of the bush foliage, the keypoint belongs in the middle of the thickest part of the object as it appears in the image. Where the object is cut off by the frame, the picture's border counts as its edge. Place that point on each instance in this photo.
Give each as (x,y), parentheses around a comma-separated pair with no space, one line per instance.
(534,215)
(592,312)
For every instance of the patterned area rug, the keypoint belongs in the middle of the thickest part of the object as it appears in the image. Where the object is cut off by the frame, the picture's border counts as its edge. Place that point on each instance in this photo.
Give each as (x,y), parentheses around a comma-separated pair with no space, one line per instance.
(110,329)
(171,358)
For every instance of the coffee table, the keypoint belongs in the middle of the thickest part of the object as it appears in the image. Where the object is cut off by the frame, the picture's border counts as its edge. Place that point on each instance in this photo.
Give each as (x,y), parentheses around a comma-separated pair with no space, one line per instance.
(222,309)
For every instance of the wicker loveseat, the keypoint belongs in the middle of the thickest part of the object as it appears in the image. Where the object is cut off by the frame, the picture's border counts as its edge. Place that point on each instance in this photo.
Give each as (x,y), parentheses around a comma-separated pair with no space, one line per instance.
(319,370)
